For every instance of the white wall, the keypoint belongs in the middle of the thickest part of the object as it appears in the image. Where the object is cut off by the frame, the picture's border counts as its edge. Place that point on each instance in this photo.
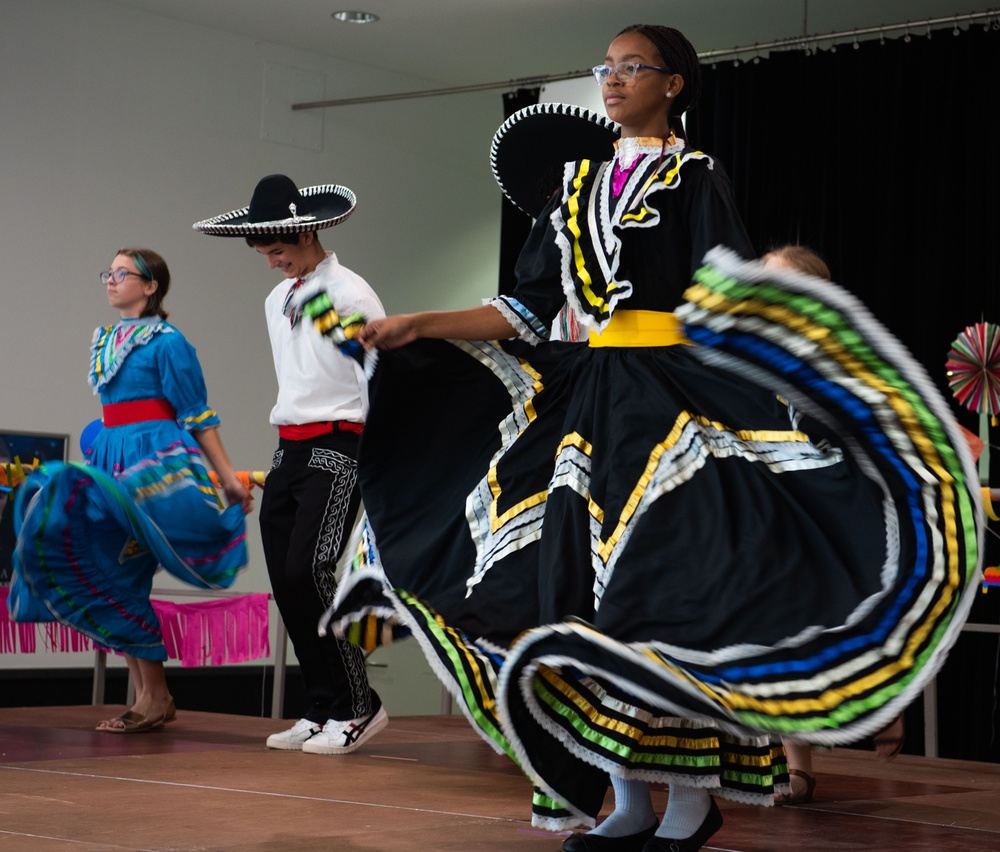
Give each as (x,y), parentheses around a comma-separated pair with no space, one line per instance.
(583,92)
(121,128)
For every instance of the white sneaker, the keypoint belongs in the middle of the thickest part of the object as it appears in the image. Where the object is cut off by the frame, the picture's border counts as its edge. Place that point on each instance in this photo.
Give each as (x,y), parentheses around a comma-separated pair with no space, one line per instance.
(344,737)
(292,739)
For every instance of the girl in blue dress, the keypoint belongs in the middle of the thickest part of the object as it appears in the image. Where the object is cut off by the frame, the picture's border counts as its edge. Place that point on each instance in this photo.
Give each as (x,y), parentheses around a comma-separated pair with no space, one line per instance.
(92,535)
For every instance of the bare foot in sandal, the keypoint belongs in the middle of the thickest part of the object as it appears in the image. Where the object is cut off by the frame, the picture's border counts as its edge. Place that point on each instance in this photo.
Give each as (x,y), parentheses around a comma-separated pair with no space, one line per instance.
(130,722)
(158,711)
(110,723)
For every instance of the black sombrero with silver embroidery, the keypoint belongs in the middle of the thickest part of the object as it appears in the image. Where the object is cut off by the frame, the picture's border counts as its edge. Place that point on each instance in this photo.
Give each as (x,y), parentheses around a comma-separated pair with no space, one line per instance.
(531,146)
(279,207)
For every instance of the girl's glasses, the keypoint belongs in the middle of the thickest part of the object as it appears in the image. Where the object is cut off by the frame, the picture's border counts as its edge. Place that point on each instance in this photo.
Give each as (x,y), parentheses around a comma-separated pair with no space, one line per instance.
(624,71)
(119,275)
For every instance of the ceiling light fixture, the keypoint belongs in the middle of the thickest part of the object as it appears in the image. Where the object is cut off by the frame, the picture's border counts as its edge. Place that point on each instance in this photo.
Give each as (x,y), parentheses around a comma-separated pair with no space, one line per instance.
(355,17)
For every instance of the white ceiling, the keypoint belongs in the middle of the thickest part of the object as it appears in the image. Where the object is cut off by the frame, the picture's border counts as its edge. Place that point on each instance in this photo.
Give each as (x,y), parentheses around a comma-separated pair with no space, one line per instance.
(467,42)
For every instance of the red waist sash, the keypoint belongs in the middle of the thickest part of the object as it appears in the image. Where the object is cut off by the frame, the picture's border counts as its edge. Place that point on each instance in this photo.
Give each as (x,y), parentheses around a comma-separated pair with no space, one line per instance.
(305,431)
(124,413)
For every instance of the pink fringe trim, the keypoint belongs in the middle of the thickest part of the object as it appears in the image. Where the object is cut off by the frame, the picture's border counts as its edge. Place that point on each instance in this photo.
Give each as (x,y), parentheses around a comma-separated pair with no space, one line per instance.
(213,633)
(209,633)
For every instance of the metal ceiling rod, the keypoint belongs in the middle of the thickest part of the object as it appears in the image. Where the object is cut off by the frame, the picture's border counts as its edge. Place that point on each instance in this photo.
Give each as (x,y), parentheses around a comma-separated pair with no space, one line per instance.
(519,83)
(796,42)
(707,56)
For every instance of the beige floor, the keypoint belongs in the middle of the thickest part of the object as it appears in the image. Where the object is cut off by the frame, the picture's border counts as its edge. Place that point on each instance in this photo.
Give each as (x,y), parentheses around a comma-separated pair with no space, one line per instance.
(206,782)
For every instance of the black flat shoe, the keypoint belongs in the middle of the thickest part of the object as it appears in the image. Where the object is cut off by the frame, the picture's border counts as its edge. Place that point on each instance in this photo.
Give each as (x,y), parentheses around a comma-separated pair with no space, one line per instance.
(709,825)
(595,843)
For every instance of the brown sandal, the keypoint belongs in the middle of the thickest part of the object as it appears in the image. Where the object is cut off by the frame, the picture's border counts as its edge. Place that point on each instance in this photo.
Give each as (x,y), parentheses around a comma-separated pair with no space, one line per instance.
(803,797)
(132,723)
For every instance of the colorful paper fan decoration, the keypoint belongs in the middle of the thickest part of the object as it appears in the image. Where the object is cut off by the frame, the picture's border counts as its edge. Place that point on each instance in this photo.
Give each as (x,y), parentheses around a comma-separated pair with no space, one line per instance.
(973,368)
(991,578)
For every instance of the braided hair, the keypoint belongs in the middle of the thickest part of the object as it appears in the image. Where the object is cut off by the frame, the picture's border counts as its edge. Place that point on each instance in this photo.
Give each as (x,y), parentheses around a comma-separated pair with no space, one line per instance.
(679,55)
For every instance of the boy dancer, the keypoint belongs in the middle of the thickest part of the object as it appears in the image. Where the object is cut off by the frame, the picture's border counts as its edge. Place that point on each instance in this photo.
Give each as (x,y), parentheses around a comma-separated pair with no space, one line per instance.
(311,496)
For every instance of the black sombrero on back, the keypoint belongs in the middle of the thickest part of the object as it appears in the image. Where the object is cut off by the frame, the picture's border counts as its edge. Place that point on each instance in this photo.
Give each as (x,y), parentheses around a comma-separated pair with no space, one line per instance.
(530,148)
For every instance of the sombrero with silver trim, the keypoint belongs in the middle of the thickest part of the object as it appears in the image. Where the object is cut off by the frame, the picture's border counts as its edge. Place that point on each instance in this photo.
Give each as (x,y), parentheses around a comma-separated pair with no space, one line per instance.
(531,146)
(279,207)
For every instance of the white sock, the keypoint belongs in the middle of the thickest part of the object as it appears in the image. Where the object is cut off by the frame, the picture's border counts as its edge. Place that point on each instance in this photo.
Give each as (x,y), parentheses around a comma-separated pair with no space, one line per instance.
(687,808)
(633,809)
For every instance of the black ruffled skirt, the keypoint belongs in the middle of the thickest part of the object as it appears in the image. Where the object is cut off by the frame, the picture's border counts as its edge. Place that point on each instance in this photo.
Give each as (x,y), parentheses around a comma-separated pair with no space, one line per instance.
(653,562)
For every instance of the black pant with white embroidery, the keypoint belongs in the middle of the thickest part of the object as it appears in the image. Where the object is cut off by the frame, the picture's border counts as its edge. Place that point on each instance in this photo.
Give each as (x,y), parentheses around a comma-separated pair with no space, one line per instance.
(310,501)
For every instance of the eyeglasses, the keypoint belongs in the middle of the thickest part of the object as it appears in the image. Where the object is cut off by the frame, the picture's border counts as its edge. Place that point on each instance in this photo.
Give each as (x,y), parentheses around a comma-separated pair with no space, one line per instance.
(119,276)
(624,71)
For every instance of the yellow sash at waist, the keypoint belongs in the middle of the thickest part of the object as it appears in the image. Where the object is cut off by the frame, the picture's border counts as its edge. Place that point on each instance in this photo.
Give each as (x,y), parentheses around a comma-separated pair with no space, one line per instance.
(640,328)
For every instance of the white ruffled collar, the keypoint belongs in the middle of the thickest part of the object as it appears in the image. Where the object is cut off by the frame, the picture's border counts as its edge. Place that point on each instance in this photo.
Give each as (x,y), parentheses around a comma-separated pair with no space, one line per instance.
(112,344)
(628,149)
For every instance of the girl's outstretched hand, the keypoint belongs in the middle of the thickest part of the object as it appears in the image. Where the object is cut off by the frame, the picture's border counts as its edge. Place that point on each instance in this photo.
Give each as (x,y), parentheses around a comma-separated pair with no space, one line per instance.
(388,333)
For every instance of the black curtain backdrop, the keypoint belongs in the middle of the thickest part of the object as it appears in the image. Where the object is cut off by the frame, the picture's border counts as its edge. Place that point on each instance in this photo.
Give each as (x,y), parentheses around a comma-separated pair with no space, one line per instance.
(883,158)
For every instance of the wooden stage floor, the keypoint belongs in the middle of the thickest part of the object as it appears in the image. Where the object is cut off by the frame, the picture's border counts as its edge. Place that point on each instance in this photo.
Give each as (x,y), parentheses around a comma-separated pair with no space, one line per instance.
(206,782)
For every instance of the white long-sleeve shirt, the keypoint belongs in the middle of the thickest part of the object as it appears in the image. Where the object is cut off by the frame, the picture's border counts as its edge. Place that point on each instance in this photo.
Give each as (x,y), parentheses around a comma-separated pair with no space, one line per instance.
(316,381)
